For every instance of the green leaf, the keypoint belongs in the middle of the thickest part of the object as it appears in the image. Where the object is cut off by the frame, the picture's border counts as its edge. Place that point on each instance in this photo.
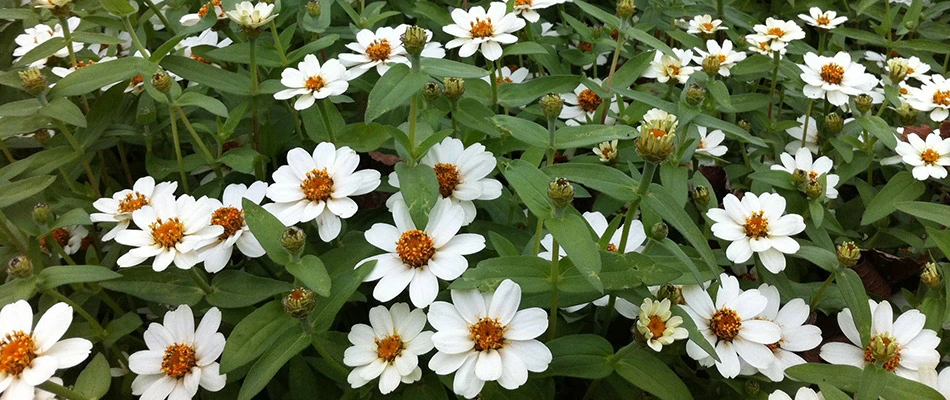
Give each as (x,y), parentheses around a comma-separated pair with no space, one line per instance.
(44,50)
(94,380)
(871,384)
(878,127)
(899,388)
(20,108)
(524,48)
(938,213)
(291,343)
(17,289)
(607,18)
(254,334)
(823,258)
(589,135)
(267,229)
(662,203)
(844,377)
(775,178)
(171,286)
(64,110)
(530,272)
(344,285)
(55,276)
(531,185)
(312,47)
(99,75)
(209,104)
(641,368)
(39,163)
(14,192)
(119,8)
(120,327)
(604,179)
(580,356)
(363,137)
(569,231)
(243,159)
(213,77)
(857,300)
(393,90)
(900,188)
(311,271)
(420,189)
(234,289)
(501,245)
(447,68)
(518,94)
(526,131)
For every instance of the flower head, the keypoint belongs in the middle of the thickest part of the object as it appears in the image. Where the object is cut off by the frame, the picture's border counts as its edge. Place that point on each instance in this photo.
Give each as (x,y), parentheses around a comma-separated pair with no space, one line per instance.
(929,157)
(665,68)
(39,34)
(705,24)
(476,28)
(229,214)
(797,336)
(508,75)
(835,77)
(724,54)
(71,238)
(802,394)
(312,82)
(582,105)
(657,325)
(933,96)
(381,49)
(388,348)
(527,8)
(122,204)
(813,170)
(252,16)
(827,20)
(907,68)
(710,144)
(778,30)
(214,6)
(756,224)
(607,151)
(208,37)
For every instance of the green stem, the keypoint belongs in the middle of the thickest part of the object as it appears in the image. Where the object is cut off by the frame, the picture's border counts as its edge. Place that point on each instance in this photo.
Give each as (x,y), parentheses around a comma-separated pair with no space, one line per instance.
(79,150)
(135,38)
(537,237)
(777,58)
(6,152)
(125,163)
(322,351)
(413,116)
(52,242)
(613,68)
(61,391)
(68,37)
(552,131)
(649,169)
(277,44)
(822,39)
(326,120)
(494,85)
(821,291)
(611,306)
(177,142)
(201,144)
(16,239)
(555,278)
(100,331)
(158,13)
(200,280)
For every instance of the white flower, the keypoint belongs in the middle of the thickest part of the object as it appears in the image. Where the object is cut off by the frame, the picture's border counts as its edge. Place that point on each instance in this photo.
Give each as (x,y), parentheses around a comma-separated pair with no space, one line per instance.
(50,4)
(811,139)
(822,19)
(526,8)
(69,237)
(814,170)
(121,49)
(32,354)
(483,337)
(179,357)
(657,122)
(932,95)
(419,258)
(582,105)
(312,82)
(119,208)
(476,28)
(379,49)
(39,34)
(192,19)
(658,325)
(463,174)
(731,327)
(802,394)
(508,76)
(912,67)
(929,158)
(875,57)
(252,16)
(777,30)
(766,46)
(548,29)
(902,345)
(705,24)
(665,68)
(796,335)
(756,225)
(207,38)
(318,187)
(835,77)
(229,214)
(64,72)
(622,306)
(943,382)
(170,230)
(137,83)
(727,57)
(389,349)
(710,144)
(607,151)
(156,22)
(587,47)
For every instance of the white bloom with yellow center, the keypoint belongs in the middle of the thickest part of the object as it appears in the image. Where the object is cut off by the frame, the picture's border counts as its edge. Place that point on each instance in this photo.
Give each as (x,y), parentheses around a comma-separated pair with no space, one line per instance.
(911,67)
(835,77)
(252,16)
(388,348)
(666,68)
(378,49)
(607,151)
(929,158)
(477,29)
(581,106)
(312,82)
(766,46)
(726,56)
(797,336)
(527,8)
(932,96)
(796,132)
(822,19)
(416,258)
(756,224)
(32,354)
(731,327)
(170,230)
(710,143)
(705,24)
(658,325)
(229,214)
(483,337)
(50,4)
(508,76)
(207,38)
(122,204)
(39,34)
(69,237)
(179,357)
(814,170)
(213,6)
(777,30)
(318,187)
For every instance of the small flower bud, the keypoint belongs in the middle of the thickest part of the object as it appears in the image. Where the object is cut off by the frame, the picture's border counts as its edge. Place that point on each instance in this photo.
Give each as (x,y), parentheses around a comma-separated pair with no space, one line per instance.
(454,87)
(751,387)
(42,213)
(293,239)
(813,189)
(745,125)
(897,70)
(597,31)
(299,302)
(700,196)
(695,95)
(431,91)
(162,81)
(848,254)
(20,267)
(711,65)
(863,102)
(800,179)
(414,40)
(625,8)
(930,276)
(910,25)
(561,192)
(833,124)
(655,148)
(659,231)
(33,80)
(313,8)
(907,114)
(552,104)
(671,292)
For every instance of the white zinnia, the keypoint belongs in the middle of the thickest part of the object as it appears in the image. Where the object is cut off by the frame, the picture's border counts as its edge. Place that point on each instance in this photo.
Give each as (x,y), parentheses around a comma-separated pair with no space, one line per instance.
(797,336)
(710,144)
(388,348)
(658,325)
(802,394)
(312,82)
(666,68)
(484,337)
(508,76)
(756,225)
(476,28)
(207,38)
(934,96)
(581,106)
(123,203)
(39,34)
(814,170)
(378,49)
(929,158)
(526,8)
(777,30)
(705,24)
(229,214)
(607,151)
(835,77)
(68,237)
(811,138)
(912,68)
(822,19)
(252,16)
(727,57)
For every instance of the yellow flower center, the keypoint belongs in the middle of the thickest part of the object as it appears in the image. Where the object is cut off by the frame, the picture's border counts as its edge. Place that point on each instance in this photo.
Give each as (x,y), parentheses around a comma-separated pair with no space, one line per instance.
(136,80)
(757,226)
(777,32)
(523,3)
(657,133)
(656,326)
(488,334)
(315,83)
(588,101)
(482,28)
(389,348)
(132,201)
(379,50)
(17,351)
(230,218)
(942,97)
(448,176)
(168,233)
(929,156)
(721,57)
(415,248)
(725,323)
(672,70)
(318,186)
(883,348)
(823,20)
(178,360)
(199,59)
(832,73)
(708,26)
(702,144)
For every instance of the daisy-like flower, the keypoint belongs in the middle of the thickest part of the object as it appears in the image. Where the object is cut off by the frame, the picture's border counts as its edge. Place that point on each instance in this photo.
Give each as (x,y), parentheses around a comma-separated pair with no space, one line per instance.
(813,170)
(318,187)
(477,29)
(484,337)
(705,25)
(526,8)
(419,258)
(39,34)
(388,348)
(463,174)
(665,68)
(731,327)
(229,214)
(119,208)
(796,335)
(835,77)
(802,394)
(827,20)
(657,324)
(796,132)
(179,357)
(607,151)
(137,83)
(710,144)
(929,158)
(378,49)
(252,16)
(311,81)
(70,238)
(777,30)
(508,76)
(171,230)
(908,67)
(215,5)
(756,224)
(582,105)
(548,29)
(766,46)
(933,96)
(207,38)
(902,345)
(726,56)
(32,354)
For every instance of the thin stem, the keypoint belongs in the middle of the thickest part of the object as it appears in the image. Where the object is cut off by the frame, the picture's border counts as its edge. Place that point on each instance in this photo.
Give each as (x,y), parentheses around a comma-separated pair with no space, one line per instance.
(177,142)
(200,280)
(82,156)
(413,116)
(537,237)
(277,44)
(51,241)
(822,39)
(201,144)
(100,331)
(125,164)
(555,278)
(494,85)
(611,306)
(158,13)
(326,120)
(68,37)
(61,391)
(649,169)
(6,152)
(297,127)
(821,291)
(254,122)
(613,68)
(552,131)
(16,239)
(135,38)
(777,58)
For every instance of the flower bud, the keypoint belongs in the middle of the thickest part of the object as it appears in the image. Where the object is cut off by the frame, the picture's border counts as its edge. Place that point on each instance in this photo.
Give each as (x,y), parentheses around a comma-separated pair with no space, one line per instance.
(313,8)
(751,387)
(655,148)
(907,114)
(833,124)
(745,125)
(671,292)
(700,196)
(20,267)
(813,189)
(800,179)
(863,102)
(552,104)
(293,239)
(930,276)
(431,91)
(561,192)
(162,81)
(897,70)
(454,87)
(659,231)
(848,254)
(42,213)
(33,80)
(695,95)
(597,31)
(414,40)
(711,65)
(299,302)
(625,8)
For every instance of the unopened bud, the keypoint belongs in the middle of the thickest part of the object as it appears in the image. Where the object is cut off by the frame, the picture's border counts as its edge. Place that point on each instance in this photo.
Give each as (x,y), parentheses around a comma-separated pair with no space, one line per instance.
(625,8)
(454,87)
(42,213)
(848,254)
(695,95)
(833,124)
(162,81)
(930,276)
(552,104)
(751,387)
(299,302)
(813,189)
(659,231)
(671,292)
(597,31)
(711,65)
(561,192)
(907,114)
(33,80)
(431,91)
(313,8)
(654,146)
(700,196)
(863,102)
(897,70)
(20,267)
(414,40)
(293,239)
(910,25)
(800,178)
(745,125)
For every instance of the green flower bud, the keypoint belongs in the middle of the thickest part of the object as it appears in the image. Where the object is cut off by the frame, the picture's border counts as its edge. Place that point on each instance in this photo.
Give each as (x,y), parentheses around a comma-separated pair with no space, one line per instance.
(848,254)
(745,125)
(800,179)
(431,91)
(561,192)
(597,31)
(625,8)
(700,196)
(313,8)
(897,70)
(552,104)
(711,65)
(907,114)
(751,387)
(930,276)
(414,40)
(833,124)
(659,231)
(454,87)
(695,95)
(671,292)
(20,267)
(162,81)
(813,189)
(293,239)
(41,213)
(656,146)
(863,102)
(33,80)
(299,302)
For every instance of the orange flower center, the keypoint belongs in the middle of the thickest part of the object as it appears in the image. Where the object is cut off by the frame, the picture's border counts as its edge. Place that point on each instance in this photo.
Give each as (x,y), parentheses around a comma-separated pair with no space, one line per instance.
(230,218)
(883,348)
(929,156)
(379,50)
(482,28)
(657,133)
(61,235)
(708,26)
(823,20)
(389,348)
(415,248)
(318,186)
(702,144)
(588,100)
(832,73)
(315,83)
(448,176)
(656,326)
(199,59)
(523,3)
(725,323)
(778,32)
(903,90)
(721,57)
(178,360)
(757,226)
(585,46)
(673,70)
(612,247)
(488,334)
(80,64)
(942,97)
(203,10)
(133,201)
(17,351)
(136,80)
(167,233)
